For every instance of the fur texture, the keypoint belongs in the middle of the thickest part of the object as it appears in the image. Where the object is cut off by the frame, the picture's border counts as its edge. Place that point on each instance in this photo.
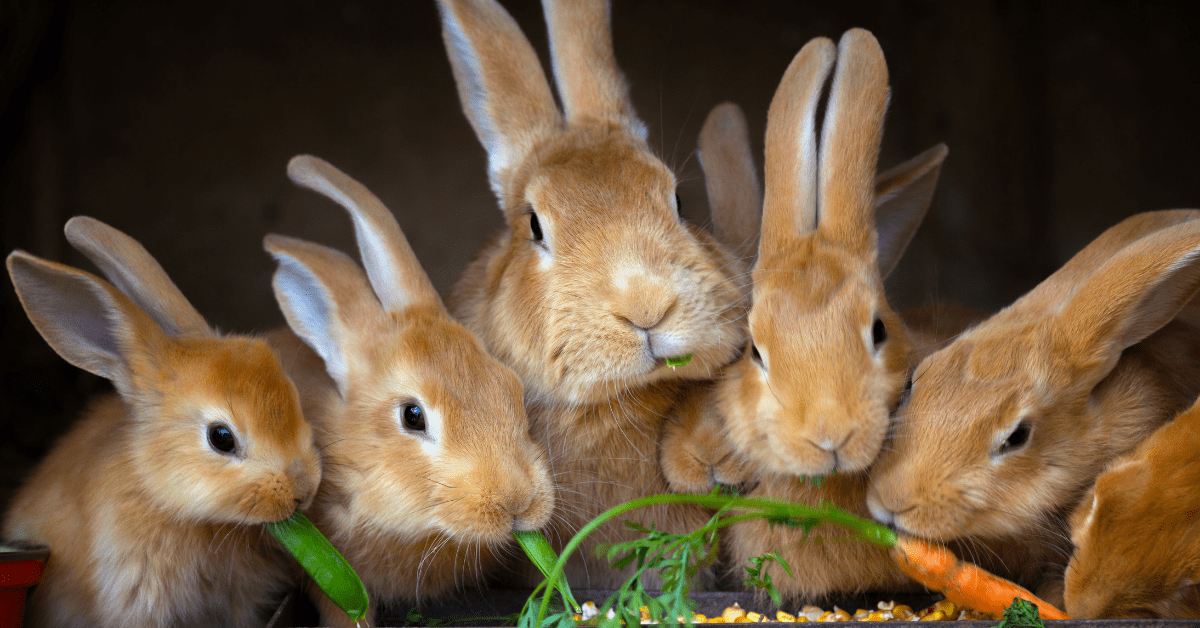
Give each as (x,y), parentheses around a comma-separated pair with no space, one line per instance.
(417,508)
(149,523)
(597,280)
(1136,533)
(1007,427)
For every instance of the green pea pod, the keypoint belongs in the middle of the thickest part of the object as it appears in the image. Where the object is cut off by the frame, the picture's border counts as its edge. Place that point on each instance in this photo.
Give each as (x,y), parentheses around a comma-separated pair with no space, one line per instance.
(538,549)
(323,562)
(679,361)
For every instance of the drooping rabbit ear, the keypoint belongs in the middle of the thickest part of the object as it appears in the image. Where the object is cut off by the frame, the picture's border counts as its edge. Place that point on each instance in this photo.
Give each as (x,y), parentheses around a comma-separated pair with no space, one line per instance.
(127,264)
(325,298)
(902,196)
(790,199)
(850,138)
(1056,289)
(734,194)
(395,274)
(590,84)
(86,320)
(501,84)
(1131,296)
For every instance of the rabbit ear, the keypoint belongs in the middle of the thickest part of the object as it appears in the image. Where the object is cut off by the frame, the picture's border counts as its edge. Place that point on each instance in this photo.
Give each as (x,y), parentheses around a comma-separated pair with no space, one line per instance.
(1131,296)
(396,275)
(501,84)
(902,196)
(850,138)
(127,264)
(585,69)
(87,321)
(790,199)
(325,298)
(734,195)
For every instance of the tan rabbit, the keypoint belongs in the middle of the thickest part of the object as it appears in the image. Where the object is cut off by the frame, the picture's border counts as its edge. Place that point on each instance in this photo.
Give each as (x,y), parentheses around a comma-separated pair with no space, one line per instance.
(152,503)
(1137,534)
(831,231)
(1007,427)
(429,462)
(597,280)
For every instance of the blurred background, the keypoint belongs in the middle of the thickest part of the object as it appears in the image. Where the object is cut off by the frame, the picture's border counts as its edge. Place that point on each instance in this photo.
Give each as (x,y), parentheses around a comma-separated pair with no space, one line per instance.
(175,123)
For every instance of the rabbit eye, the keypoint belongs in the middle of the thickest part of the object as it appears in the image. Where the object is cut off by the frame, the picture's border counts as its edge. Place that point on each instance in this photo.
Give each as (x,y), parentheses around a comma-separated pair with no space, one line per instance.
(755,354)
(535,227)
(221,439)
(414,417)
(678,206)
(878,333)
(1018,437)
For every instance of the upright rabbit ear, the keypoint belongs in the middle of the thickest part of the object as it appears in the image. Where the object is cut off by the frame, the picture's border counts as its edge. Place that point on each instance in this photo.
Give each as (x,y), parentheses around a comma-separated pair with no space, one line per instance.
(1130,297)
(850,138)
(132,269)
(585,69)
(734,194)
(396,275)
(902,196)
(501,84)
(87,321)
(325,298)
(790,200)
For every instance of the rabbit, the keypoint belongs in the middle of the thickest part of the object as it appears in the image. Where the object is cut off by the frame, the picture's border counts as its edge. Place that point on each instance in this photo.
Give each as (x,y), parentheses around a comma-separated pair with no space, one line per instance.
(597,279)
(1136,534)
(831,231)
(429,462)
(1007,427)
(152,503)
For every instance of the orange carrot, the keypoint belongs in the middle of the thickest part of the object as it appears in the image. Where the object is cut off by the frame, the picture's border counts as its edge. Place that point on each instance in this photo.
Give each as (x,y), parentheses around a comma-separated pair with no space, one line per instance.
(963,583)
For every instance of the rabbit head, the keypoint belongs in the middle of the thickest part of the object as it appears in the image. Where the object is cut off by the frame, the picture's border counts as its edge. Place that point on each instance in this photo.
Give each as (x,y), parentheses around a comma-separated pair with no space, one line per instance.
(423,422)
(828,358)
(217,431)
(1006,427)
(1136,534)
(597,280)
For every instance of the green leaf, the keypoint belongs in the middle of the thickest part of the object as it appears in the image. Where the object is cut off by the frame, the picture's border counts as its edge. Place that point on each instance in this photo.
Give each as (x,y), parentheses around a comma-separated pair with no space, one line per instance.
(679,360)
(1021,613)
(323,563)
(538,549)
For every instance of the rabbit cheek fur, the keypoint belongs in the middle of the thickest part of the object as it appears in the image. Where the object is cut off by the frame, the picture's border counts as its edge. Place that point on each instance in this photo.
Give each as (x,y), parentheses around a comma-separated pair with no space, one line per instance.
(616,285)
(163,532)
(819,396)
(1136,533)
(417,516)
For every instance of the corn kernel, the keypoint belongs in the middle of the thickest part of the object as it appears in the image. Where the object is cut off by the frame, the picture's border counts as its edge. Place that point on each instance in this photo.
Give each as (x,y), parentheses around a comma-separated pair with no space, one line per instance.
(698,619)
(877,616)
(934,616)
(754,617)
(947,607)
(742,619)
(781,616)
(716,620)
(733,612)
(861,614)
(887,606)
(813,613)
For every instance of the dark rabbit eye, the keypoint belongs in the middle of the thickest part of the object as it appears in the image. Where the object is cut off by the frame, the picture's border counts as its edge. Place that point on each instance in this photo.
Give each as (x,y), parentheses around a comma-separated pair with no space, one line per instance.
(678,206)
(221,439)
(414,417)
(878,333)
(535,227)
(754,353)
(1018,437)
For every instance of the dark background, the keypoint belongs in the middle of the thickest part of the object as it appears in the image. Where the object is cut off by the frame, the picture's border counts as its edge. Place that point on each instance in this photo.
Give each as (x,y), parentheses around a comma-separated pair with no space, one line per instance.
(175,124)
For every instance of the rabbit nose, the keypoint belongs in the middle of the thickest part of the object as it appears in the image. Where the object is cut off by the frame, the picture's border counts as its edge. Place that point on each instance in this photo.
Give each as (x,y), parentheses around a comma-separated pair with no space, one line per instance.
(645,302)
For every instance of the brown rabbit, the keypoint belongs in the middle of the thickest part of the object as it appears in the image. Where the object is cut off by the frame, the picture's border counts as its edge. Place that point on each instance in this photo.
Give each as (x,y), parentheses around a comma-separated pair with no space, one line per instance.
(1008,426)
(597,280)
(429,462)
(1137,534)
(819,309)
(151,504)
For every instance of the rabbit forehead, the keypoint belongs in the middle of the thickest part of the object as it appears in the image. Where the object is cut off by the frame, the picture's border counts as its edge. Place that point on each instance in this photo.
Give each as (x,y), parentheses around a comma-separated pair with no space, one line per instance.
(242,379)
(601,181)
(428,358)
